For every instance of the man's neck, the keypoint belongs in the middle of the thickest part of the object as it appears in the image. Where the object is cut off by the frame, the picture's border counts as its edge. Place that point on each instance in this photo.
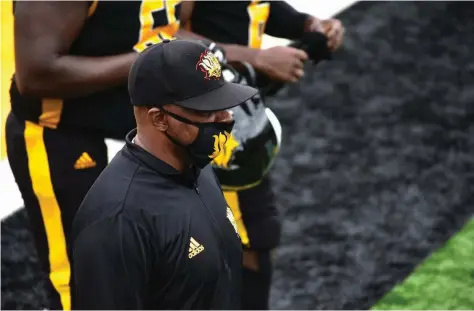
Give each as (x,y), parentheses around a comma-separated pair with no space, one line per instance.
(164,150)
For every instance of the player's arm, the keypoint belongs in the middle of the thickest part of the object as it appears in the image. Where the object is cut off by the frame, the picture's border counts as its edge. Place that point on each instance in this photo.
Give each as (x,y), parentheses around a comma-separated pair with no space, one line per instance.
(44,33)
(111,266)
(280,63)
(285,21)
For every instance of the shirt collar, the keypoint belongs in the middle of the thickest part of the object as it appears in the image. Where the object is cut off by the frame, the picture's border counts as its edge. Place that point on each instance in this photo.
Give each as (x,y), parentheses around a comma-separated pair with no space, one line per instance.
(187,177)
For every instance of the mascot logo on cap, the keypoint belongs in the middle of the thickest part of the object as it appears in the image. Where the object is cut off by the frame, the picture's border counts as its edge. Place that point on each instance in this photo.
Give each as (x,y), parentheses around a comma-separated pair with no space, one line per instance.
(224,146)
(231,218)
(209,64)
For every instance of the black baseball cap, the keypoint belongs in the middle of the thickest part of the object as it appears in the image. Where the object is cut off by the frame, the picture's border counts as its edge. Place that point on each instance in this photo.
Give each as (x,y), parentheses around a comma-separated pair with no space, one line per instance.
(184,73)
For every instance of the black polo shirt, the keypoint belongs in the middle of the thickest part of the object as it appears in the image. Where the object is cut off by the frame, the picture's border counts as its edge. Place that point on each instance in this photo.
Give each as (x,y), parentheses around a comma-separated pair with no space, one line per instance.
(149,237)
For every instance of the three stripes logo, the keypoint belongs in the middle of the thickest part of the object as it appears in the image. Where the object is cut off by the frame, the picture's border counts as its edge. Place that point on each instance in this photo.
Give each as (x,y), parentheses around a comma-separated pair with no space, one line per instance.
(84,161)
(194,248)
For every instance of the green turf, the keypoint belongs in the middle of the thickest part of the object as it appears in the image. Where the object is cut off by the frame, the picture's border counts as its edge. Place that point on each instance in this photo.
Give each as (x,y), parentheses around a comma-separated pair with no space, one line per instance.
(445,281)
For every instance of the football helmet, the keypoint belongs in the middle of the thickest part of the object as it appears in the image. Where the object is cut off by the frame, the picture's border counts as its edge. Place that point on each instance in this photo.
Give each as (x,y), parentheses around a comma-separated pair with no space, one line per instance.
(255,141)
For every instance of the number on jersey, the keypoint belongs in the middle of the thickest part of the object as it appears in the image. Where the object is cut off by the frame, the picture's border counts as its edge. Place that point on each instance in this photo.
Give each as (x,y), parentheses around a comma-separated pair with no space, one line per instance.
(258,14)
(158,20)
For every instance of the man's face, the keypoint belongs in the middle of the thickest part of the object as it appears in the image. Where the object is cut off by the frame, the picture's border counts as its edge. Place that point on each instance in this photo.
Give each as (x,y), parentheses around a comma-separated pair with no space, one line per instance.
(187,133)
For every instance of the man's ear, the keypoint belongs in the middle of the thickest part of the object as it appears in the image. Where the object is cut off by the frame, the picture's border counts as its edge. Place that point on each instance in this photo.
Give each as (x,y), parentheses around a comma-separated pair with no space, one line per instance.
(158,119)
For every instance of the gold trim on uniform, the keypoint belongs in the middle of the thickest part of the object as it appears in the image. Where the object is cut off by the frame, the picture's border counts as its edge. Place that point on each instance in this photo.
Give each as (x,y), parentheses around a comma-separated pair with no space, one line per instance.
(51,110)
(232,199)
(92,8)
(60,270)
(258,14)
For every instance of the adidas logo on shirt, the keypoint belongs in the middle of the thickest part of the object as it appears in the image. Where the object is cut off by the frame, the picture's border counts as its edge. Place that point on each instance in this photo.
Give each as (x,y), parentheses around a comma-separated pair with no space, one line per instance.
(194,248)
(84,161)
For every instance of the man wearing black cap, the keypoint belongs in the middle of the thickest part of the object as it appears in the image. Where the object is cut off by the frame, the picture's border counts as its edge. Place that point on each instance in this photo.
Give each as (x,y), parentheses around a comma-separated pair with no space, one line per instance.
(154,231)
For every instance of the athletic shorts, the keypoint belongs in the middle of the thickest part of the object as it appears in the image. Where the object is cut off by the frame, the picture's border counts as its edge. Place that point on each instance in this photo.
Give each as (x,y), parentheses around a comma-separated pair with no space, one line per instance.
(256,214)
(54,170)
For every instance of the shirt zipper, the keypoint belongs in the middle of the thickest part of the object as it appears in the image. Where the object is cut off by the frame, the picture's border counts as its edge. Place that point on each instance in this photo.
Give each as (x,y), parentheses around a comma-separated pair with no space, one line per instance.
(221,239)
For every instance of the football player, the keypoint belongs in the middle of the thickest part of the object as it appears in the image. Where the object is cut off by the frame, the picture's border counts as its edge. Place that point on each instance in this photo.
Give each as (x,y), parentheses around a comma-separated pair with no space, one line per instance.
(240,25)
(68,93)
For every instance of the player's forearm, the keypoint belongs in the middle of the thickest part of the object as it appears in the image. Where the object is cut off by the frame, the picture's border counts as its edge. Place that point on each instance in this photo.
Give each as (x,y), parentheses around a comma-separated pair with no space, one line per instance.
(234,52)
(285,22)
(72,76)
(240,53)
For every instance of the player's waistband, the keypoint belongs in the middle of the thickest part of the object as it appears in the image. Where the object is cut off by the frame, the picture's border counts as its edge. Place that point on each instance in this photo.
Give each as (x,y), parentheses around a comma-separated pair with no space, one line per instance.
(107,114)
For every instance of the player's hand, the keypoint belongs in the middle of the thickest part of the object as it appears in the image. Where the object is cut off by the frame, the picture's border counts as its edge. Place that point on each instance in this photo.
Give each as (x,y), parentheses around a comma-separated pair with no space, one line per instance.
(334,30)
(313,24)
(281,63)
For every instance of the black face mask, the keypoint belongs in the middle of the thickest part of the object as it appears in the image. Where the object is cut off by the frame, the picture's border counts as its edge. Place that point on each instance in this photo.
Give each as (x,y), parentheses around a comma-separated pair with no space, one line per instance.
(210,141)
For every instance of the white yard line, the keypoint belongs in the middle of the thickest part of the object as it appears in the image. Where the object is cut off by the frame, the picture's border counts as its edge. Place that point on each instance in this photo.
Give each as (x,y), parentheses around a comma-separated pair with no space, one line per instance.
(11,199)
